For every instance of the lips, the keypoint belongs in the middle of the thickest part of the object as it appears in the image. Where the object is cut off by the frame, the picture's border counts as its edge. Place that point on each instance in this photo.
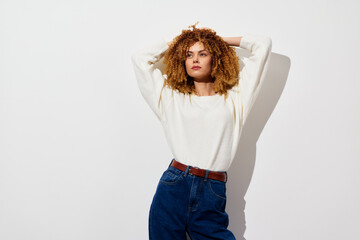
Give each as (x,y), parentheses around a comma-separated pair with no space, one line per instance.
(196,67)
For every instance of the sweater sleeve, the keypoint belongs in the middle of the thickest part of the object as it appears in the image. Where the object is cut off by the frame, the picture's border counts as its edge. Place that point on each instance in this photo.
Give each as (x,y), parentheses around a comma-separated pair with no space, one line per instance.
(254,69)
(149,78)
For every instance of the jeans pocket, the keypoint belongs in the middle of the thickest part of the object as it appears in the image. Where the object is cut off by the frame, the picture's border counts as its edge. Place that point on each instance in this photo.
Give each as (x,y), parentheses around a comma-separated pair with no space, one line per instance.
(171,176)
(217,188)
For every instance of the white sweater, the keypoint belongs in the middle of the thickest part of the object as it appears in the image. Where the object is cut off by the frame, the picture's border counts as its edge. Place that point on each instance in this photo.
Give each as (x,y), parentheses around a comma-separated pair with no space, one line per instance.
(203,131)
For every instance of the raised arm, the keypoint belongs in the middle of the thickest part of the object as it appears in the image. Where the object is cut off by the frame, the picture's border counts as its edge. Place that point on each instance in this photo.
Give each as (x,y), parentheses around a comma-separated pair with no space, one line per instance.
(232,41)
(149,78)
(251,75)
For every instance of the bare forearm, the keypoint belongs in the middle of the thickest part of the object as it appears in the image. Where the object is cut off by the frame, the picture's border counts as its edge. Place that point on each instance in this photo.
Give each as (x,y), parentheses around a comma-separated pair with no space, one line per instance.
(232,41)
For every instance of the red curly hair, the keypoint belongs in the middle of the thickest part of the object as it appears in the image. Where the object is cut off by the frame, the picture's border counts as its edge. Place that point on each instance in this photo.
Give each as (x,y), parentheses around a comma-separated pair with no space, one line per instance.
(224,61)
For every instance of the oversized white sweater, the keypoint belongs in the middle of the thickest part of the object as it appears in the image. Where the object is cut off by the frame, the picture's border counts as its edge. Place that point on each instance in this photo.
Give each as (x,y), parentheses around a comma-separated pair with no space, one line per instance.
(203,131)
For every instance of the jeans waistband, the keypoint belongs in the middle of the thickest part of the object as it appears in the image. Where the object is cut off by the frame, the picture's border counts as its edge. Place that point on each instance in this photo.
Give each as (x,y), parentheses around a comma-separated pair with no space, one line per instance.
(216,175)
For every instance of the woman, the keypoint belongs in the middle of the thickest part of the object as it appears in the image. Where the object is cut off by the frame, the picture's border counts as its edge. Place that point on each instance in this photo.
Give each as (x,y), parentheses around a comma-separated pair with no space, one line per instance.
(202,100)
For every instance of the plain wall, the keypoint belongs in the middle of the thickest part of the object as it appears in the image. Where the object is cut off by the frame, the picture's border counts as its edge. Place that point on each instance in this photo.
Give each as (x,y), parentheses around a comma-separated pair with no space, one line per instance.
(81,153)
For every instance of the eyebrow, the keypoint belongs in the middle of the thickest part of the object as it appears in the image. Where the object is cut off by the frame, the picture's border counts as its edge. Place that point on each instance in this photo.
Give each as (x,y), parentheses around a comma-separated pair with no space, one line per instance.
(204,50)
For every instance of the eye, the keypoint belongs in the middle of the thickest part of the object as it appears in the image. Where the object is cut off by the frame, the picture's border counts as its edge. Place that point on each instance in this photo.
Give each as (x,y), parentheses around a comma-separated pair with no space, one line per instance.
(188,55)
(203,54)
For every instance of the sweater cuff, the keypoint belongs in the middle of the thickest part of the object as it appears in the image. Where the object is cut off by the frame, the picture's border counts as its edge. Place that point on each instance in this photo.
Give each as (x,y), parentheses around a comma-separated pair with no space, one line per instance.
(159,48)
(247,40)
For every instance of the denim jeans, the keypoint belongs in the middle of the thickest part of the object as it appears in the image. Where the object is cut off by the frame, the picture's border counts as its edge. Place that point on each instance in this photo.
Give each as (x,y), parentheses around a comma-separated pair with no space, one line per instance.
(188,203)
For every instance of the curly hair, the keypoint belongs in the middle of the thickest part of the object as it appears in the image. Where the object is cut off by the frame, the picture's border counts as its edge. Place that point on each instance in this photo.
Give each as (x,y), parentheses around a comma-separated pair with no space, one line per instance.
(224,61)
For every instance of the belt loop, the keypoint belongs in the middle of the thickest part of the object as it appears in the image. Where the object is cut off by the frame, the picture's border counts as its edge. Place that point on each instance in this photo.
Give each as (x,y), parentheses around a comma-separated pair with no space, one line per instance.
(206,175)
(187,170)
(171,162)
(226,177)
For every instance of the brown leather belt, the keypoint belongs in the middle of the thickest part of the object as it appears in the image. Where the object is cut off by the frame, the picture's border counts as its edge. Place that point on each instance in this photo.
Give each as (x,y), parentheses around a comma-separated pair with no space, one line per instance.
(220,176)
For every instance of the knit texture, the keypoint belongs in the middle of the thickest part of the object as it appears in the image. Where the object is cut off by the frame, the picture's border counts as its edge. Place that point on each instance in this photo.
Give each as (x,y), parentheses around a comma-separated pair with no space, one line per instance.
(203,131)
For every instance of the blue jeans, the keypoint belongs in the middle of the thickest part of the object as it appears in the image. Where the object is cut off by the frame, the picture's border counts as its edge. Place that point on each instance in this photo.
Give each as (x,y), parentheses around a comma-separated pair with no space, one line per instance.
(188,203)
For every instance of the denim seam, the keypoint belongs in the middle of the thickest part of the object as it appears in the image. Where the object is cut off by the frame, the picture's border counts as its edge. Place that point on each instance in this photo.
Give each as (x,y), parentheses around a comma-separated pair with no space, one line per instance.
(213,192)
(189,188)
(179,178)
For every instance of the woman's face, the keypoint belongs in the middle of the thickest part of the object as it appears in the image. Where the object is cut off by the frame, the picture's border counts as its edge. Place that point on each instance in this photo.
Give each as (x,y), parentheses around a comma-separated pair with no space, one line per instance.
(198,62)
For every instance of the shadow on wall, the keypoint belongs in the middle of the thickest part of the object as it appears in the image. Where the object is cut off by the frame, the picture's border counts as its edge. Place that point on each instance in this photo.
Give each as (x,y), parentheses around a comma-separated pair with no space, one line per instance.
(241,170)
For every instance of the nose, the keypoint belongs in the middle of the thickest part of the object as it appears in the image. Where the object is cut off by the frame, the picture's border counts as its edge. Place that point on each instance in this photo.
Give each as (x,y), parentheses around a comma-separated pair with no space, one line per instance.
(195,59)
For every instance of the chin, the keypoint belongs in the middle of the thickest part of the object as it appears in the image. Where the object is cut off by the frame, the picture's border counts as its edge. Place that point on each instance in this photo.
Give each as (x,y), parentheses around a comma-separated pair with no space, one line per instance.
(197,75)
(200,76)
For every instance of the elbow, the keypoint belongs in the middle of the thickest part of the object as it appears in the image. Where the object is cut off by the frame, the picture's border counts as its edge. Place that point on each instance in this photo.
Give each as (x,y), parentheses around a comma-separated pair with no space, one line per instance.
(269,43)
(138,60)
(135,58)
(266,43)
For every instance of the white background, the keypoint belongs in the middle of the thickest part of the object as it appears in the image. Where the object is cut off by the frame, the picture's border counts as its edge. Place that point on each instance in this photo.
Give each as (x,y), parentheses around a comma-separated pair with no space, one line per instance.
(81,153)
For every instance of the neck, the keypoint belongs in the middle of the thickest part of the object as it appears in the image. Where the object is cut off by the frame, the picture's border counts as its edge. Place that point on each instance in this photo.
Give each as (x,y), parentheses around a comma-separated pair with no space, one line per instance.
(204,88)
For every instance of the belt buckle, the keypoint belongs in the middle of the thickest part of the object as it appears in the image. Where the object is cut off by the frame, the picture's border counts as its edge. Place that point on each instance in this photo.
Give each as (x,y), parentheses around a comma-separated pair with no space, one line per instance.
(191,168)
(196,168)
